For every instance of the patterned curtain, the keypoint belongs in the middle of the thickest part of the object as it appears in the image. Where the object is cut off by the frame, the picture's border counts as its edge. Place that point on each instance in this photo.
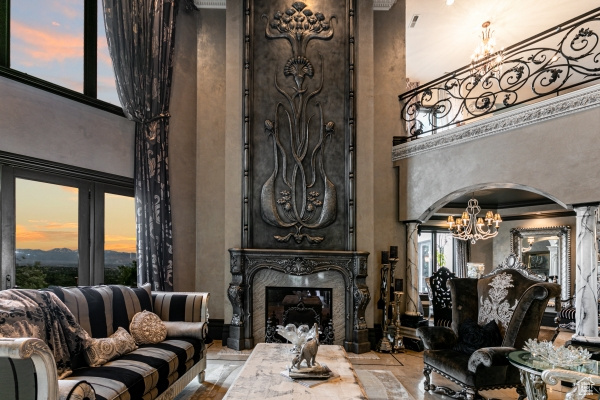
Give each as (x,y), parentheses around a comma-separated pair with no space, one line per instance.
(141,39)
(462,253)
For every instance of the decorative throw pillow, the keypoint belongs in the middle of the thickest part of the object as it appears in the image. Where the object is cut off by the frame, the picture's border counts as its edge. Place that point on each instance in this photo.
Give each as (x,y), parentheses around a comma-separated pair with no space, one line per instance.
(472,336)
(103,350)
(147,327)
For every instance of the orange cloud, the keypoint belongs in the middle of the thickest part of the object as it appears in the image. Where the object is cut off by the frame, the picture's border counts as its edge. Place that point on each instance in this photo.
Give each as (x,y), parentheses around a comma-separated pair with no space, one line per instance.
(47,46)
(120,243)
(70,9)
(45,239)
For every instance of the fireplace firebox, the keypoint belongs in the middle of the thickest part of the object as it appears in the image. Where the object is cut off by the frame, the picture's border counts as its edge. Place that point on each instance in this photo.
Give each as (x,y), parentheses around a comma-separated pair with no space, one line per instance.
(298,306)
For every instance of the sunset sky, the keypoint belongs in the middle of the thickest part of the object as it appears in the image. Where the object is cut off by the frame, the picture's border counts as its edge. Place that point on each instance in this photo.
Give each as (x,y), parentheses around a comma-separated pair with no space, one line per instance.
(46,218)
(46,41)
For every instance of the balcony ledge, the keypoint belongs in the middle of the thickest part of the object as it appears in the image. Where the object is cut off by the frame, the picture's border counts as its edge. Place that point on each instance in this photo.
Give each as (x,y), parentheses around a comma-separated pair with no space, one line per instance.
(555,107)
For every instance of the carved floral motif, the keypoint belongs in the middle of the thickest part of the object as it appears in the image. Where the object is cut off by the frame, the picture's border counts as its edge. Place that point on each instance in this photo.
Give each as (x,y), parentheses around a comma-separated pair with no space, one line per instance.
(290,198)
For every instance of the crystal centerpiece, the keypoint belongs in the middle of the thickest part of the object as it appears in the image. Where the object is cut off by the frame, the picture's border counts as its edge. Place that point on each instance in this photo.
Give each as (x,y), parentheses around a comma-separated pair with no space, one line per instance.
(297,336)
(557,356)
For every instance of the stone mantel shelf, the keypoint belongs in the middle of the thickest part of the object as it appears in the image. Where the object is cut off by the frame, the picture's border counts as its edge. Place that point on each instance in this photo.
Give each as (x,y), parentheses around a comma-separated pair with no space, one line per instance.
(555,107)
(378,5)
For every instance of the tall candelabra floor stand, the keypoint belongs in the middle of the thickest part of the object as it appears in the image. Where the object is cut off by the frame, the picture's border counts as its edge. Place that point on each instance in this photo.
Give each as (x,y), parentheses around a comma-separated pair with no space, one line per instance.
(384,345)
(398,344)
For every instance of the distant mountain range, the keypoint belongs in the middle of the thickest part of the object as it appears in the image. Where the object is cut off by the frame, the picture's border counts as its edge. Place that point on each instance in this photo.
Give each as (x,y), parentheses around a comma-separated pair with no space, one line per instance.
(68,258)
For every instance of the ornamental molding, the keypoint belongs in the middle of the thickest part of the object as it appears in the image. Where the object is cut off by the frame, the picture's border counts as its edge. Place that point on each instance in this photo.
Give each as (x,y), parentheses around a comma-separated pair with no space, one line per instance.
(556,107)
(383,5)
(378,5)
(215,4)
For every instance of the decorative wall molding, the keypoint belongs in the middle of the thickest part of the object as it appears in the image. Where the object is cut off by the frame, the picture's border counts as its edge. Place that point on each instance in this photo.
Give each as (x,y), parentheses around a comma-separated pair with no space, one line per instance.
(215,4)
(560,106)
(383,5)
(378,5)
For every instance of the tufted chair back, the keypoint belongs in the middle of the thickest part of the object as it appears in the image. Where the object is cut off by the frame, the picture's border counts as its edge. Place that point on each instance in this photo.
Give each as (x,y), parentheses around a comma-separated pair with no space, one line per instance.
(509,295)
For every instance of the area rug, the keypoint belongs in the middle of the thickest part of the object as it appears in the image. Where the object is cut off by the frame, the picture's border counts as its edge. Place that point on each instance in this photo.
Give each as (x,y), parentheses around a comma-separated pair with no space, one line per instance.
(370,355)
(215,385)
(382,385)
(234,355)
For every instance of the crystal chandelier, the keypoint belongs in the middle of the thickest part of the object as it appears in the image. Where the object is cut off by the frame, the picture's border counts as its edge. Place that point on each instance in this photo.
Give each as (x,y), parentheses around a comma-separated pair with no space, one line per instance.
(469,227)
(485,60)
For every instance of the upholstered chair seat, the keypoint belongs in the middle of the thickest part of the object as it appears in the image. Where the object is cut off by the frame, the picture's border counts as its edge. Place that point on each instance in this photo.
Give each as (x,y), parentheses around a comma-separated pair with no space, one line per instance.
(491,317)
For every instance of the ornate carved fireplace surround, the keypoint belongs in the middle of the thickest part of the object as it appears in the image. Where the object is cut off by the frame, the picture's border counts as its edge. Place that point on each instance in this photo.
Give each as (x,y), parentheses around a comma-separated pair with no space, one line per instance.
(347,268)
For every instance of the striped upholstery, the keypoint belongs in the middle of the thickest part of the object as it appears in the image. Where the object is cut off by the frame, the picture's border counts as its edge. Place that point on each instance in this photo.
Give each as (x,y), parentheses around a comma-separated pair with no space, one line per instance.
(181,306)
(144,373)
(18,379)
(101,310)
(129,301)
(91,306)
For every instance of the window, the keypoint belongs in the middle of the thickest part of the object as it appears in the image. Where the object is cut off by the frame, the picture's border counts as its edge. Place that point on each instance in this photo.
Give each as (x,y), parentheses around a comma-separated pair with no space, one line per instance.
(46,234)
(436,250)
(46,40)
(120,262)
(65,226)
(59,46)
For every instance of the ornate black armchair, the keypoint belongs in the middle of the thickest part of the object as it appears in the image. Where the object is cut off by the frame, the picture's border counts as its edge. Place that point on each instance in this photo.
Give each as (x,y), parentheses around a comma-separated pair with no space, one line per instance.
(440,296)
(491,317)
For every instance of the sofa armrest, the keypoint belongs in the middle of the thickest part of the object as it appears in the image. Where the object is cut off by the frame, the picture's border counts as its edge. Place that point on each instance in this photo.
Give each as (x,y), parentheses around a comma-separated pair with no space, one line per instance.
(181,306)
(488,356)
(75,390)
(27,366)
(197,330)
(437,337)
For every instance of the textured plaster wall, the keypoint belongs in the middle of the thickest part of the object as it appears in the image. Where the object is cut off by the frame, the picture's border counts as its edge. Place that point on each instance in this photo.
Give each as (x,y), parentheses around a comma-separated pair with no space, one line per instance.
(211,181)
(43,125)
(557,157)
(182,153)
(380,78)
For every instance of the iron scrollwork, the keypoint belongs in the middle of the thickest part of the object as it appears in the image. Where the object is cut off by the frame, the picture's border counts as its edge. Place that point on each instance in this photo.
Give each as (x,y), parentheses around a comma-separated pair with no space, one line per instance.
(292,197)
(532,69)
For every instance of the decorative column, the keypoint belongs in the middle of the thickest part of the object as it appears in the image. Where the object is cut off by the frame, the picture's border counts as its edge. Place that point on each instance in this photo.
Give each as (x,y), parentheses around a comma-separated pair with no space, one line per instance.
(412,269)
(586,281)
(553,249)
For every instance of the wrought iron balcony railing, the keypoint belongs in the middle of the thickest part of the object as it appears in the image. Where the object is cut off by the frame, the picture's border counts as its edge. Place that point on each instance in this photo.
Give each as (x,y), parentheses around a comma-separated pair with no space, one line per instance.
(557,60)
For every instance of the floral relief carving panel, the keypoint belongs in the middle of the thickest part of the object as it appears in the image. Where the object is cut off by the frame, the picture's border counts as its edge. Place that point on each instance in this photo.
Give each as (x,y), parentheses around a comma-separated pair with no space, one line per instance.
(299,138)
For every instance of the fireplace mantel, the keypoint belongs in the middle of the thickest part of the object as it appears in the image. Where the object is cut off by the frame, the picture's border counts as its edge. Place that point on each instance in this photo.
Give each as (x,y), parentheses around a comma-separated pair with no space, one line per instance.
(351,265)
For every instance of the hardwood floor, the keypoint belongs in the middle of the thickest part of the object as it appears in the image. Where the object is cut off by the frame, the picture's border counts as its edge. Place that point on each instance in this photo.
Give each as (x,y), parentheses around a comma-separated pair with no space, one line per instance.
(223,365)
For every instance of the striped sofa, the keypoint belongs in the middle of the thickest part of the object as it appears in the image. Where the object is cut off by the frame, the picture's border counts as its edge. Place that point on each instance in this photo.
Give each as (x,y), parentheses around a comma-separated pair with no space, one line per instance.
(153,371)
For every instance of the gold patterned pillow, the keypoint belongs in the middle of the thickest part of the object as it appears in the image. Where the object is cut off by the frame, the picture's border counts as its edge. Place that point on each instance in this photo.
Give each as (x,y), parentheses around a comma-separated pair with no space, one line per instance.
(147,328)
(103,350)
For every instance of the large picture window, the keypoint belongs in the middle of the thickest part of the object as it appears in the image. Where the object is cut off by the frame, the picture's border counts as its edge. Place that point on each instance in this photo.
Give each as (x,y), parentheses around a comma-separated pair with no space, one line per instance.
(59,46)
(436,250)
(65,229)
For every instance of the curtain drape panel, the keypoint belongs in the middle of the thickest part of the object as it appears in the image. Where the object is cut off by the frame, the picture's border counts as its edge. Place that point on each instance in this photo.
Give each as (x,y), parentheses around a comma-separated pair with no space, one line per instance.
(141,39)
(462,254)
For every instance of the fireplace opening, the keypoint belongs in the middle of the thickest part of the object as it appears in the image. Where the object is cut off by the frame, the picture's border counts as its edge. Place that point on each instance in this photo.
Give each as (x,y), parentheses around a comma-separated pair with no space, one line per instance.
(298,306)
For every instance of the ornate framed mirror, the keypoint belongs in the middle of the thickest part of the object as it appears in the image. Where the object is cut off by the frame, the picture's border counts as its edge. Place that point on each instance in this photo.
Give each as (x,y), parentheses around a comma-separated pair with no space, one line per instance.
(545,252)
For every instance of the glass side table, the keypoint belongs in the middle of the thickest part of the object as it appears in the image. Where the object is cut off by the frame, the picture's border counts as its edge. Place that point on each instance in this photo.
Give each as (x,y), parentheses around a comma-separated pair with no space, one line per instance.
(536,373)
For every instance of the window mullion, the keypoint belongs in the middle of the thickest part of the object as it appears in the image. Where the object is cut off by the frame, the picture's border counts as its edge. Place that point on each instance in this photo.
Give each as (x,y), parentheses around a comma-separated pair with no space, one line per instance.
(7,222)
(5,33)
(90,48)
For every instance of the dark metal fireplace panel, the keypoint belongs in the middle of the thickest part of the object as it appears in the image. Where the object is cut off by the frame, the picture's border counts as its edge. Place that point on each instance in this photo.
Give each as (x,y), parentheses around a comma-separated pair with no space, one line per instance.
(247,267)
(299,139)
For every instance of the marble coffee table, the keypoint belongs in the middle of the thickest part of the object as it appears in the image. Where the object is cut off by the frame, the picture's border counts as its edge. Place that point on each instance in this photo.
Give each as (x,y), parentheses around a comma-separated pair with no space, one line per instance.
(261,378)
